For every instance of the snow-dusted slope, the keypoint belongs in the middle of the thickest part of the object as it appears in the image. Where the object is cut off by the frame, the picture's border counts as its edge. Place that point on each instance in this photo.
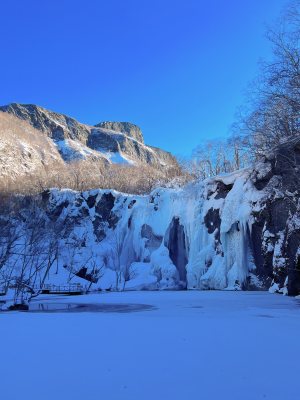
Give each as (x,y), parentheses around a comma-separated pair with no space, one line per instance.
(115,142)
(23,150)
(237,231)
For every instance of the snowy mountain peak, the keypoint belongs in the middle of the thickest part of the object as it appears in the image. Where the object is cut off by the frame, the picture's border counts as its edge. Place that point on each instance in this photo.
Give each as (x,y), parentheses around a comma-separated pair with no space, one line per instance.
(112,142)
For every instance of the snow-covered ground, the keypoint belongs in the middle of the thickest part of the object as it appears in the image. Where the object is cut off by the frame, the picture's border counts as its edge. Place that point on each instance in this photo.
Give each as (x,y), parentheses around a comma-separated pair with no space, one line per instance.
(190,345)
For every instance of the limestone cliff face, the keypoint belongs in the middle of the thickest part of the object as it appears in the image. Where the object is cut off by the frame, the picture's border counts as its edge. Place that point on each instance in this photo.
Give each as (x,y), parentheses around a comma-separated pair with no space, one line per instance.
(113,142)
(56,126)
(75,140)
(128,128)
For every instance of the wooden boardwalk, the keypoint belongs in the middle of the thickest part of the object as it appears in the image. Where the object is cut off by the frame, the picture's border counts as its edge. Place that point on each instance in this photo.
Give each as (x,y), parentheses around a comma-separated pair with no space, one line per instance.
(74,289)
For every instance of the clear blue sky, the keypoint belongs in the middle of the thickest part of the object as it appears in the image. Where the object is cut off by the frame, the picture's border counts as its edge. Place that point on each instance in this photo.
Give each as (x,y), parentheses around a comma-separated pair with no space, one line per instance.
(177,68)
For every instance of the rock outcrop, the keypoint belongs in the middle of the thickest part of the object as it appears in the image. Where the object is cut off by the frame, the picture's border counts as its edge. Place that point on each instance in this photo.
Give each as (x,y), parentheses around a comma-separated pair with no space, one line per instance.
(275,233)
(56,126)
(127,128)
(115,142)
(23,150)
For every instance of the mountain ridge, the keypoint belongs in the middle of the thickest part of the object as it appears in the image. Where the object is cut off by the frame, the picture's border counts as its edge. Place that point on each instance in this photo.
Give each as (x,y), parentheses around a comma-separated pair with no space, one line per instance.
(112,142)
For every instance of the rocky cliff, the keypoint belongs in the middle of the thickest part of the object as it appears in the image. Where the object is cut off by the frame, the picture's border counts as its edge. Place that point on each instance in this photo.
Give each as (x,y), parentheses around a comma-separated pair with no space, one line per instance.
(116,142)
(23,150)
(127,128)
(239,231)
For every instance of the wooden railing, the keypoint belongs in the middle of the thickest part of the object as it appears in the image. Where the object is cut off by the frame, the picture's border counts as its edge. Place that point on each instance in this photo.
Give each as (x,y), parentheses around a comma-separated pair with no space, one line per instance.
(63,289)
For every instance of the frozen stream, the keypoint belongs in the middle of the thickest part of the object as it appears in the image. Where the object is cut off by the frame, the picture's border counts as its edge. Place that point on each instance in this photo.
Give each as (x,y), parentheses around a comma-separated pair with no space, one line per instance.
(153,345)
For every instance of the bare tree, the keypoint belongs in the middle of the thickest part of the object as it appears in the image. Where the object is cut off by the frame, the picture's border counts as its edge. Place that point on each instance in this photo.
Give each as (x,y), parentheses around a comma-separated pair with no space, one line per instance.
(215,157)
(272,113)
(29,246)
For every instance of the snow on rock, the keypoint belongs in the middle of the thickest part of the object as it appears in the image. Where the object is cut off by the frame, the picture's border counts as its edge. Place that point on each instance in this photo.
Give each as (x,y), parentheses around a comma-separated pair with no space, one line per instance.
(117,157)
(115,142)
(74,150)
(233,232)
(118,241)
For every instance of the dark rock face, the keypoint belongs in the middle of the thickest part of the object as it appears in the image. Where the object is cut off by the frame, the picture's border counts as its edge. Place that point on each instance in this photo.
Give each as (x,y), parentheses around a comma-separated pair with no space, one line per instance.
(222,190)
(212,222)
(175,242)
(91,201)
(262,183)
(131,204)
(102,140)
(55,213)
(45,196)
(262,258)
(293,265)
(83,273)
(275,233)
(274,237)
(128,128)
(286,163)
(18,307)
(104,209)
(152,241)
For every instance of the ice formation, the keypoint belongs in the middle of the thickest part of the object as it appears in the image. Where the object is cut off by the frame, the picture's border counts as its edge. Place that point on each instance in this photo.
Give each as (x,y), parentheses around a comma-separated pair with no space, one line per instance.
(237,231)
(160,241)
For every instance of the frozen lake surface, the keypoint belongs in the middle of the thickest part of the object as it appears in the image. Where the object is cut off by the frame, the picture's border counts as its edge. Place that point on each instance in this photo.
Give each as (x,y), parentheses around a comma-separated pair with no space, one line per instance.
(153,345)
